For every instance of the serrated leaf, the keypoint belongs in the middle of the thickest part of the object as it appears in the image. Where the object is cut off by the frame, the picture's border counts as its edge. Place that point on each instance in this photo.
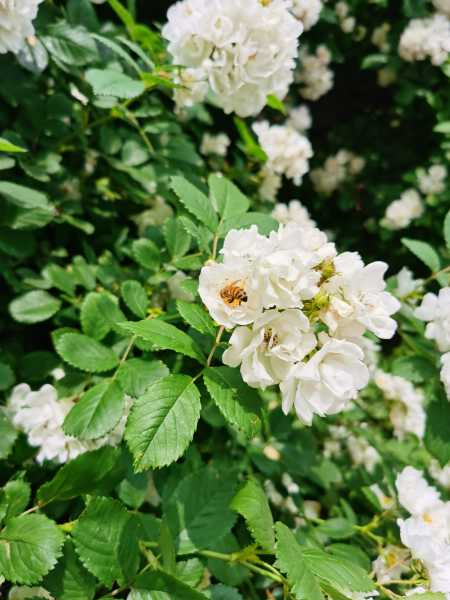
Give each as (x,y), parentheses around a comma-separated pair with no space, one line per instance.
(6,146)
(60,278)
(90,473)
(135,297)
(146,253)
(195,202)
(84,353)
(69,580)
(14,498)
(136,375)
(106,82)
(177,238)
(426,253)
(92,317)
(236,401)
(163,421)
(343,575)
(97,412)
(447,230)
(196,317)
(265,223)
(34,307)
(290,561)
(230,201)
(29,548)
(34,209)
(198,510)
(164,336)
(100,537)
(160,581)
(252,504)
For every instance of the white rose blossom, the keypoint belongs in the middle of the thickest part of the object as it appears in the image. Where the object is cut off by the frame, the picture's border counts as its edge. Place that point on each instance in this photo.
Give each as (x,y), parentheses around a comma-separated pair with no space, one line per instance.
(215,144)
(391,564)
(294,212)
(362,453)
(426,38)
(435,309)
(406,284)
(440,474)
(270,184)
(336,170)
(445,372)
(242,52)
(433,180)
(314,74)
(279,291)
(288,151)
(300,118)
(16,23)
(308,11)
(400,213)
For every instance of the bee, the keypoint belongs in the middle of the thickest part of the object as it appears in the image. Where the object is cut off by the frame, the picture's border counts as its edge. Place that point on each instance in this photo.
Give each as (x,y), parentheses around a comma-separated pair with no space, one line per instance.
(233,294)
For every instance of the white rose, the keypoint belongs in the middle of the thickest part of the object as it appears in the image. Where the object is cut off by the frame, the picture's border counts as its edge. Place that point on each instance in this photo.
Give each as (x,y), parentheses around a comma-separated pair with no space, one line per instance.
(215,144)
(326,383)
(391,564)
(16,23)
(308,11)
(268,350)
(299,118)
(436,310)
(294,212)
(400,213)
(445,372)
(426,38)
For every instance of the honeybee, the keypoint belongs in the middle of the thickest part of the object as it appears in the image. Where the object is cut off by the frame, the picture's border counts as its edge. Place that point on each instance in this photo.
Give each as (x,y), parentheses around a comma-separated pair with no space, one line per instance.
(233,294)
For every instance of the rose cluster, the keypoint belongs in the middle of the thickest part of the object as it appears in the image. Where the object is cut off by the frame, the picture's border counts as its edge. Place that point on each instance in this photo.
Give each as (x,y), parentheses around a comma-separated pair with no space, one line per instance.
(299,312)
(241,52)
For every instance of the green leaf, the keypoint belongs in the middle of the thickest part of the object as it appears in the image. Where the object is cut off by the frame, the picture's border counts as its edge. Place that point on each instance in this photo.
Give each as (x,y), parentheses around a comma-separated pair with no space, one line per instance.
(29,548)
(443,127)
(223,592)
(426,253)
(14,498)
(230,201)
(164,336)
(265,223)
(250,146)
(252,504)
(341,574)
(198,510)
(276,104)
(237,402)
(84,353)
(135,297)
(33,207)
(99,314)
(90,473)
(73,46)
(195,202)
(160,581)
(197,317)
(437,435)
(6,146)
(34,307)
(373,61)
(146,253)
(106,82)
(97,412)
(136,375)
(100,537)
(447,230)
(8,435)
(427,596)
(414,368)
(290,561)
(7,377)
(163,421)
(69,580)
(177,238)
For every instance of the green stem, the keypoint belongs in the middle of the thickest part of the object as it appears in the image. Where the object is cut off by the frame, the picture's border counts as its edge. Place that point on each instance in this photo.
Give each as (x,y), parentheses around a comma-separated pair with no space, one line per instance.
(216,343)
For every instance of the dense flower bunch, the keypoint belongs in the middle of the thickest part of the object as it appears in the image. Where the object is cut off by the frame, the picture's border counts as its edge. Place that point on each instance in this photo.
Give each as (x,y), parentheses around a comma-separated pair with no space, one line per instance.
(426,38)
(432,181)
(400,213)
(294,212)
(40,415)
(242,52)
(314,75)
(427,531)
(16,23)
(279,293)
(335,171)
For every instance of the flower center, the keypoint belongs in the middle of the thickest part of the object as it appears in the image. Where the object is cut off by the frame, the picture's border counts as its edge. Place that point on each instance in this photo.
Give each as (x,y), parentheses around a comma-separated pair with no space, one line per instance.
(270,340)
(427,518)
(233,294)
(391,559)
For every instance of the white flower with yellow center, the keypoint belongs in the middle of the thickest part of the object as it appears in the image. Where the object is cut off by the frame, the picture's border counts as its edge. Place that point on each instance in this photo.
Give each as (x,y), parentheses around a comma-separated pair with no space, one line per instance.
(435,309)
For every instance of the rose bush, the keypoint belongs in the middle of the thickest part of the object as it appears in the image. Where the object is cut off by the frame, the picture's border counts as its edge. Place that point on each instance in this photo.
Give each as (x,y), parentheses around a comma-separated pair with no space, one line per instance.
(224,258)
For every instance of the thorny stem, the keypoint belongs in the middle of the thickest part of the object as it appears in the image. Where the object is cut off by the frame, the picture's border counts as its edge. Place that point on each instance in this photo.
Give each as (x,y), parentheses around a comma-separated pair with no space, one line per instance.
(216,343)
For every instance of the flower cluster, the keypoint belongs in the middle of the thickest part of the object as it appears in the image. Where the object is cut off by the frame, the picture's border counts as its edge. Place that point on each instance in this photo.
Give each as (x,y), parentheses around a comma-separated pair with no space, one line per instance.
(346,21)
(215,144)
(288,151)
(400,213)
(427,531)
(361,453)
(307,11)
(433,180)
(16,23)
(435,310)
(314,75)
(299,311)
(407,412)
(426,38)
(380,37)
(299,118)
(241,52)
(294,212)
(335,170)
(40,415)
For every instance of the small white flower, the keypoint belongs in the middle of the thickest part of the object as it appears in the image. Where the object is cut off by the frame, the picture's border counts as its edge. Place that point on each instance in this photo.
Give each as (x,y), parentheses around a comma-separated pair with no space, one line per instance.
(336,170)
(386,502)
(362,453)
(440,474)
(243,52)
(270,184)
(436,310)
(287,150)
(416,495)
(445,372)
(215,144)
(400,213)
(267,351)
(327,382)
(314,75)
(299,118)
(426,38)
(16,23)
(294,212)
(406,282)
(348,24)
(308,11)
(391,564)
(432,181)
